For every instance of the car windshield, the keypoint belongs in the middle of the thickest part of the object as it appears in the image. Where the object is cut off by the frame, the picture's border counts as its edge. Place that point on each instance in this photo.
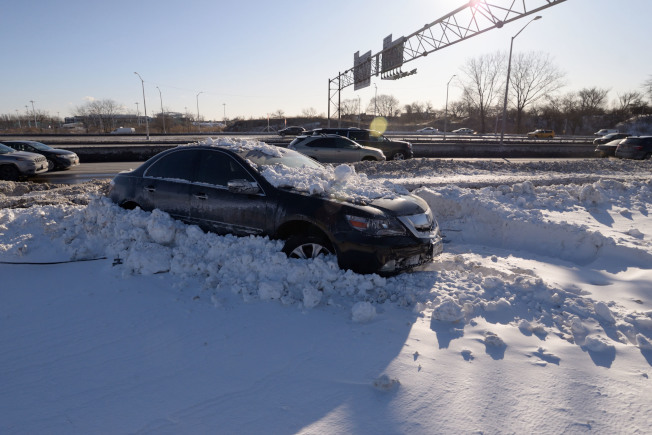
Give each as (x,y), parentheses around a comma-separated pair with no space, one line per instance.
(4,149)
(40,146)
(285,157)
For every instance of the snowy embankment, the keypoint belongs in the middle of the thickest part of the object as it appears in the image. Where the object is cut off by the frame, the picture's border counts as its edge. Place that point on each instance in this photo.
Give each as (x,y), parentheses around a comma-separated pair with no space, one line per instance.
(546,265)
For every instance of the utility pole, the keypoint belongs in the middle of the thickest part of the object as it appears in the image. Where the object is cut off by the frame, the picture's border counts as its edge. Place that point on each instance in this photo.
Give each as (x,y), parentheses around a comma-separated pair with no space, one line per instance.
(162,114)
(142,82)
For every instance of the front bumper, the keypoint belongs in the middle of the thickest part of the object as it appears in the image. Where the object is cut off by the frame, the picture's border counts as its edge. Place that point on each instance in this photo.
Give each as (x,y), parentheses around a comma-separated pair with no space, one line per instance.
(387,255)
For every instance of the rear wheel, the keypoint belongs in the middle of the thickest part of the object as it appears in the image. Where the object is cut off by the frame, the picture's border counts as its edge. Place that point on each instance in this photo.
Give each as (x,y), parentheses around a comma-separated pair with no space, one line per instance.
(9,173)
(307,246)
(398,156)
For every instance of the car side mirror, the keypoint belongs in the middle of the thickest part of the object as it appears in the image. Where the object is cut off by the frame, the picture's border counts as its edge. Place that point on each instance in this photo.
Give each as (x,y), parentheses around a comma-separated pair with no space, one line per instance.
(244,187)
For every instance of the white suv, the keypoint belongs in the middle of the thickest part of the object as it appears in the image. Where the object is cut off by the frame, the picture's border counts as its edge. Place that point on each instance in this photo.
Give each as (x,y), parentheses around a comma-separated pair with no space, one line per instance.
(15,164)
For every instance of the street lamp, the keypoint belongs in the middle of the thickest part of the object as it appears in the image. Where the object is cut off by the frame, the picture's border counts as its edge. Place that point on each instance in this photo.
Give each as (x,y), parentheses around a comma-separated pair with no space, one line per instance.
(509,70)
(162,114)
(198,123)
(359,110)
(34,112)
(142,83)
(20,127)
(375,100)
(224,118)
(446,110)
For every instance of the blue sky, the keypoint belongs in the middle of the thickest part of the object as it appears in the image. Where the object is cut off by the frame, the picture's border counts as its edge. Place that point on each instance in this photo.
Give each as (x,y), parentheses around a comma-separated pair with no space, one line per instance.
(251,58)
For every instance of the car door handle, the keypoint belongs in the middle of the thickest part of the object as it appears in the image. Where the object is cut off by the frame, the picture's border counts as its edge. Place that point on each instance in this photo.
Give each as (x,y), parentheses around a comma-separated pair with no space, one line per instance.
(149,189)
(200,196)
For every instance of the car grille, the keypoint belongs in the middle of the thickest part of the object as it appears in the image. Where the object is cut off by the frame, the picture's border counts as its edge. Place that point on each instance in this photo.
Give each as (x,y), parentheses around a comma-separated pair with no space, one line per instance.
(40,159)
(422,225)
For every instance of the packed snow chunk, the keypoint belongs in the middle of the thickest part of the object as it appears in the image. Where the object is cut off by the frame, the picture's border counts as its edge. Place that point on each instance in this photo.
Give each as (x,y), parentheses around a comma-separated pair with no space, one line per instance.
(148,258)
(598,343)
(161,227)
(343,173)
(493,340)
(590,194)
(603,312)
(644,343)
(311,297)
(635,233)
(384,383)
(448,310)
(363,312)
(268,290)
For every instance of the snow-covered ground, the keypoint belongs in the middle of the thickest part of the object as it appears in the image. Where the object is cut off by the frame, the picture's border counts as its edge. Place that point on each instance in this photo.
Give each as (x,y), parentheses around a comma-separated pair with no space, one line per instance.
(536,319)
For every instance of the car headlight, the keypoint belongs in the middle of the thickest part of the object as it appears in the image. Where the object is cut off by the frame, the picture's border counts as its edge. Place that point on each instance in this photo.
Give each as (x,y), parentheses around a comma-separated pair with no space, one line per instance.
(376,226)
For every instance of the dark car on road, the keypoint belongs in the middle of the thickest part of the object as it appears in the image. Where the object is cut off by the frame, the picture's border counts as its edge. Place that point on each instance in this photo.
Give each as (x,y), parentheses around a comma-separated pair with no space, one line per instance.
(332,148)
(609,137)
(228,189)
(635,147)
(393,149)
(607,149)
(56,158)
(291,131)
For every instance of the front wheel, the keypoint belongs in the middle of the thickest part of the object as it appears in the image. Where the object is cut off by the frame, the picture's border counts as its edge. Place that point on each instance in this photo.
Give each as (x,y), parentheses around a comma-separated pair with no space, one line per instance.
(50,165)
(398,156)
(9,173)
(307,246)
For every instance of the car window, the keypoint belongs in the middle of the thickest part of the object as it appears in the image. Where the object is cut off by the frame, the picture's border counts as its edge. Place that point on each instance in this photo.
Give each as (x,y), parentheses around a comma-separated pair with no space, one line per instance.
(343,143)
(179,165)
(322,143)
(4,149)
(218,168)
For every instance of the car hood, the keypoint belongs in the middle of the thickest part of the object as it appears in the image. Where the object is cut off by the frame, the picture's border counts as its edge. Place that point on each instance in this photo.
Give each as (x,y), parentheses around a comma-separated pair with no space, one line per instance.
(403,205)
(32,156)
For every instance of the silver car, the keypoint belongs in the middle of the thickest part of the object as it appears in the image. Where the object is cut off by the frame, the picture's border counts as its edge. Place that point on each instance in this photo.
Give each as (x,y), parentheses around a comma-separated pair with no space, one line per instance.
(15,164)
(332,148)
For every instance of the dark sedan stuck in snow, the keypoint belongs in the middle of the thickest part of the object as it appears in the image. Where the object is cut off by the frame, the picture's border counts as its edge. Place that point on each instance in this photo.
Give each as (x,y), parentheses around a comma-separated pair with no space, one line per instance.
(235,188)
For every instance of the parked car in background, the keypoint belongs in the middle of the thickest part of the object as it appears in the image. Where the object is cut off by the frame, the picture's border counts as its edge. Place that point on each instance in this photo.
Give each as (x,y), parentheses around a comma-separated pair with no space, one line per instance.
(333,148)
(56,158)
(609,137)
(429,130)
(635,147)
(16,164)
(291,131)
(607,149)
(605,131)
(393,149)
(463,131)
(221,188)
(541,134)
(124,130)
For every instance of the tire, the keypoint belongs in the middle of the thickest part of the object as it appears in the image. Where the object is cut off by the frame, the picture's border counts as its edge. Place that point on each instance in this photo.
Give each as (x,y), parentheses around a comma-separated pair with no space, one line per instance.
(50,165)
(307,246)
(9,173)
(398,156)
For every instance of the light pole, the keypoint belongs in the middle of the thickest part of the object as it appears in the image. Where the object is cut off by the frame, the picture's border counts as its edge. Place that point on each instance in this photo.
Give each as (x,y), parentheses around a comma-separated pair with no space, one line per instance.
(509,70)
(142,82)
(198,123)
(359,110)
(224,118)
(137,114)
(34,112)
(446,110)
(18,118)
(162,114)
(375,101)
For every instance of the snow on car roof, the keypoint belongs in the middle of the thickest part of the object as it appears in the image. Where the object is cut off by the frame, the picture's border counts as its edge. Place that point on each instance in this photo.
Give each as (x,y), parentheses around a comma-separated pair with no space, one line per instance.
(342,181)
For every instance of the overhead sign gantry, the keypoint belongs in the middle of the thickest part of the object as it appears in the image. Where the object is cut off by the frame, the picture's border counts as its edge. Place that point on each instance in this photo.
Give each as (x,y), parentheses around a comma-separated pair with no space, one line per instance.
(474,18)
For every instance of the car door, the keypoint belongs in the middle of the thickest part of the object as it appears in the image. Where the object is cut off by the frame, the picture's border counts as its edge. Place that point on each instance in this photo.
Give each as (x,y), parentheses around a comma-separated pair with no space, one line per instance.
(216,208)
(166,184)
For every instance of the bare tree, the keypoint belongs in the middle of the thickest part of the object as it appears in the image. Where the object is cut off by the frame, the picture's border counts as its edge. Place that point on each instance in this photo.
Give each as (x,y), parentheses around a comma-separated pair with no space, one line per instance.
(484,79)
(533,77)
(310,112)
(100,113)
(280,113)
(647,88)
(592,101)
(631,103)
(385,105)
(349,107)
